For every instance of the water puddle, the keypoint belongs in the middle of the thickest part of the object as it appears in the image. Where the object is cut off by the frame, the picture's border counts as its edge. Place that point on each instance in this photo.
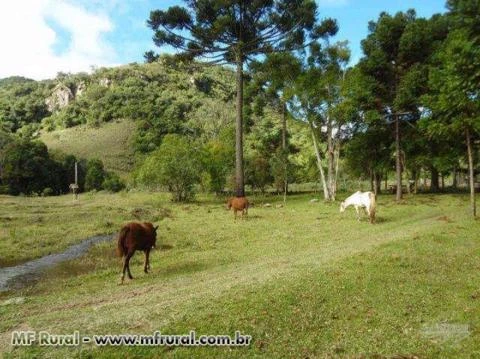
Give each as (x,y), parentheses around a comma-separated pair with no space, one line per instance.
(18,276)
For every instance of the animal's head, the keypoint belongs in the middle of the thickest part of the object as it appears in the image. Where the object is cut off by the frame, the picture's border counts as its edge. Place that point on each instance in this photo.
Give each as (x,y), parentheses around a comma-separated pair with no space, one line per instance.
(229,203)
(154,236)
(342,207)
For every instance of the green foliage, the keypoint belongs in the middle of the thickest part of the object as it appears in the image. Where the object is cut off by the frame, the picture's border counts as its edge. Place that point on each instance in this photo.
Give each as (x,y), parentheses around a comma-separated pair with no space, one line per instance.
(453,99)
(113,182)
(47,192)
(218,163)
(252,27)
(27,168)
(175,165)
(22,101)
(258,172)
(95,176)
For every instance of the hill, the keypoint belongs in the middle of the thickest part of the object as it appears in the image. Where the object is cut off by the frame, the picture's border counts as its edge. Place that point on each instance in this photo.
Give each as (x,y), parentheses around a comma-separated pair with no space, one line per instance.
(110,142)
(121,114)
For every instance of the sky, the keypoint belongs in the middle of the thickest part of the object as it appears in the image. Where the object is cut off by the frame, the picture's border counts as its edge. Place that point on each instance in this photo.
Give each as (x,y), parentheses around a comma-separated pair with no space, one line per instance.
(39,38)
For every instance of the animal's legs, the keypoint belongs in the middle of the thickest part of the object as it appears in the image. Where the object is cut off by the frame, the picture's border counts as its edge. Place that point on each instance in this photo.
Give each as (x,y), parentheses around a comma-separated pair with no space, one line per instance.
(146,265)
(358,213)
(127,264)
(235,214)
(124,268)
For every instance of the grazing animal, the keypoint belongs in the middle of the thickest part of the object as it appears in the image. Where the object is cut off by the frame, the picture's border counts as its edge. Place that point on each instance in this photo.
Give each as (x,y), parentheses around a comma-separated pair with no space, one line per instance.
(136,236)
(238,204)
(365,200)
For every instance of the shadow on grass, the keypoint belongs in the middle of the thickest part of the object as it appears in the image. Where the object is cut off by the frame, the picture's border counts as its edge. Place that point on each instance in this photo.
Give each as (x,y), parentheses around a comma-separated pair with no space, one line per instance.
(183,268)
(380,220)
(253,216)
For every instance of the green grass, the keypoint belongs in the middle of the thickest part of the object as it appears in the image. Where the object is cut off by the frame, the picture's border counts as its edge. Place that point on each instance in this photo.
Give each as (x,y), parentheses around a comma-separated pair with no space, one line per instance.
(303,280)
(88,142)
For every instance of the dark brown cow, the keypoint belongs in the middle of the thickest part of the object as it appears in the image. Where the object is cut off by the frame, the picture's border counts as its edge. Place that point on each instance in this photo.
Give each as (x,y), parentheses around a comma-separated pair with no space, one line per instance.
(238,204)
(136,236)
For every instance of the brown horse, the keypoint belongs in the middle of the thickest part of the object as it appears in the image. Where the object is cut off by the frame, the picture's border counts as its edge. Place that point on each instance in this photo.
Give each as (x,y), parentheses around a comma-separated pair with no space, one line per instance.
(136,236)
(238,204)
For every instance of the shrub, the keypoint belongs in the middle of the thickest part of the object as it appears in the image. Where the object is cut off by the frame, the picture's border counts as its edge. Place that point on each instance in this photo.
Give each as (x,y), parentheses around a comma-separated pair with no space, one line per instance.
(217,161)
(174,165)
(113,183)
(95,175)
(47,192)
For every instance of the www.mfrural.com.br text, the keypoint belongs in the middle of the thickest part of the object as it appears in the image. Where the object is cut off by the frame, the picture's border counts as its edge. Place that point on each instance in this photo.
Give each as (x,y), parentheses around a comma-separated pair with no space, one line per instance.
(44,338)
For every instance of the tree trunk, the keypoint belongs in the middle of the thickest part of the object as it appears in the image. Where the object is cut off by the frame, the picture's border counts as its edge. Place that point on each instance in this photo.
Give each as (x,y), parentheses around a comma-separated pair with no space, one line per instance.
(378,183)
(337,160)
(442,176)
(471,175)
(284,149)
(372,186)
(386,181)
(454,177)
(239,179)
(397,159)
(331,160)
(434,183)
(415,179)
(319,162)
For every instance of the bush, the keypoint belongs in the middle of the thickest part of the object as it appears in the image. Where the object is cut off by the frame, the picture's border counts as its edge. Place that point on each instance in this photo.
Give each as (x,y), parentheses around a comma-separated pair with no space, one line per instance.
(175,165)
(113,183)
(47,192)
(257,172)
(218,161)
(95,175)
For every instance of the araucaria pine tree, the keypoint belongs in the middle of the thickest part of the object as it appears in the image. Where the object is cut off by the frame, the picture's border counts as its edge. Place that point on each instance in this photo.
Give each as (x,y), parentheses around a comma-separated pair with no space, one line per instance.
(235,32)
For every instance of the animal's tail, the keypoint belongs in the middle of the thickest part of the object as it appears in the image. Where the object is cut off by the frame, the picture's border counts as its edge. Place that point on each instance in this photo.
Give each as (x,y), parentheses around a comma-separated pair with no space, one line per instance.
(373,206)
(121,250)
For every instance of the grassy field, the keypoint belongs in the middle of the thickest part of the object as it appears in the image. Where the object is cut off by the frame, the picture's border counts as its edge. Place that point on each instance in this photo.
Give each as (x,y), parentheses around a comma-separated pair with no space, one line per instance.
(302,280)
(110,143)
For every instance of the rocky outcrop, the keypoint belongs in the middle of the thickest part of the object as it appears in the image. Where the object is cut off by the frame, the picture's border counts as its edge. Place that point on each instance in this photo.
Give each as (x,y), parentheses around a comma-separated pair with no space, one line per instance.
(61,96)
(105,82)
(80,89)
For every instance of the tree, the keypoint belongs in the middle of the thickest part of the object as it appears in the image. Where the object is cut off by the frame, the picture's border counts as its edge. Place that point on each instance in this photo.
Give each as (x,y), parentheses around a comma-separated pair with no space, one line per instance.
(95,175)
(113,182)
(316,94)
(453,101)
(275,77)
(176,164)
(234,32)
(27,168)
(397,52)
(217,161)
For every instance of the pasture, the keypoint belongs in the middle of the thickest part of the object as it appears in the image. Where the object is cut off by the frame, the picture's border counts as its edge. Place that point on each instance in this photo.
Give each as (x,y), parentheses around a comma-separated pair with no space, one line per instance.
(110,142)
(302,280)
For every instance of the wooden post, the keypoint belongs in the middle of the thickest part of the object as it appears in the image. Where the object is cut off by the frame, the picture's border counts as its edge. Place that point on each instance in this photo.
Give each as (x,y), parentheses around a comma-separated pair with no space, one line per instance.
(74,186)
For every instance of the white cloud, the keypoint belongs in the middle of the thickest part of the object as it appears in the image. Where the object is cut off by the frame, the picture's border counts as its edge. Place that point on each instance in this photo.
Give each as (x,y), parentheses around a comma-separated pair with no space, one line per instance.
(27,41)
